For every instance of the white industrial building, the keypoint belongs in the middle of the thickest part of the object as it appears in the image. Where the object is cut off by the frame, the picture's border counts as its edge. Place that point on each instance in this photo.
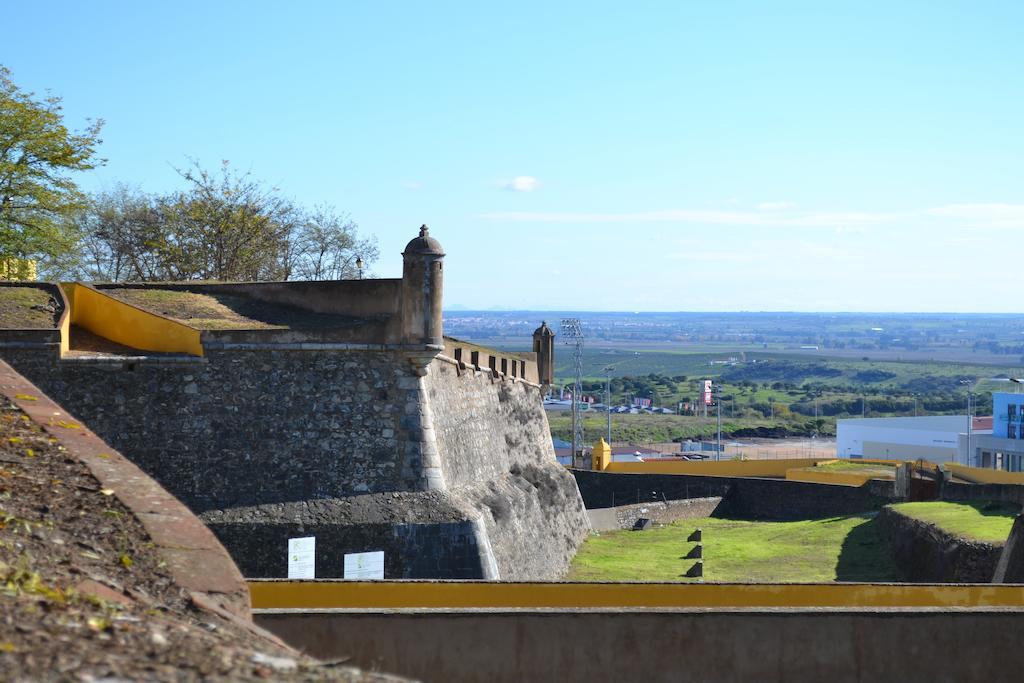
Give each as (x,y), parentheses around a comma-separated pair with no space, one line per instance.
(938,438)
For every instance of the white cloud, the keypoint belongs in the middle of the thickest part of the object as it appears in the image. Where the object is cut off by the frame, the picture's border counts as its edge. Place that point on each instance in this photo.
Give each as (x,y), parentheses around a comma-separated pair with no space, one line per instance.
(521,183)
(703,216)
(983,215)
(776,206)
(413,185)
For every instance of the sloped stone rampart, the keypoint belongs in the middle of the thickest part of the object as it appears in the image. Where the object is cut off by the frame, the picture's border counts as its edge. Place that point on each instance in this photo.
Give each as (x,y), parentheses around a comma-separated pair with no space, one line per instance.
(1010,568)
(924,552)
(195,559)
(498,459)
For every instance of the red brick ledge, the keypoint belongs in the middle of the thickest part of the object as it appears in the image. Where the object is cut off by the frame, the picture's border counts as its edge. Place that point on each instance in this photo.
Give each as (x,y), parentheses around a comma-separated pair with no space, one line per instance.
(195,558)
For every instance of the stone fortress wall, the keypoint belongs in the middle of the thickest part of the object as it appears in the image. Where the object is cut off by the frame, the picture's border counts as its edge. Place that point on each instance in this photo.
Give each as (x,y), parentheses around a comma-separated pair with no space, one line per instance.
(379,434)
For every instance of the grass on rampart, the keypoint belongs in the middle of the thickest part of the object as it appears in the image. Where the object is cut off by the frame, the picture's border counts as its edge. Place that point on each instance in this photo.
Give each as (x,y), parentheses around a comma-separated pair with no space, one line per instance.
(16,308)
(982,521)
(832,549)
(876,470)
(225,312)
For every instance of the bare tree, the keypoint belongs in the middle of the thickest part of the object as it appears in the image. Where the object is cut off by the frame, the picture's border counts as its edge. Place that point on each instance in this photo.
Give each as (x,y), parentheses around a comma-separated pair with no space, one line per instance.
(330,246)
(222,226)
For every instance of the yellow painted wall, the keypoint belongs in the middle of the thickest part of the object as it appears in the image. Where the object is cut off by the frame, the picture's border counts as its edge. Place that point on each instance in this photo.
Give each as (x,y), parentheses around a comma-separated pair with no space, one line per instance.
(65,322)
(601,455)
(285,594)
(724,468)
(980,475)
(126,324)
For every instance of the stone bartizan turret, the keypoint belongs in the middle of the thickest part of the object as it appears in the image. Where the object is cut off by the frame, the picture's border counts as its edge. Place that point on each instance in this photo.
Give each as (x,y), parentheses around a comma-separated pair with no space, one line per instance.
(422,289)
(544,347)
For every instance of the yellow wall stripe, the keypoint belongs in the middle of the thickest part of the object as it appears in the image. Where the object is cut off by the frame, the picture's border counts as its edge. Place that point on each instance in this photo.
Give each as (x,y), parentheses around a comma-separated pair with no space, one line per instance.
(284,594)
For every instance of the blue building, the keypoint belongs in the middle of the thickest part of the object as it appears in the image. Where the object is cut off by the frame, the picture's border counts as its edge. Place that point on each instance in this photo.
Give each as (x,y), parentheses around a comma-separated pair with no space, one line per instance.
(1004,449)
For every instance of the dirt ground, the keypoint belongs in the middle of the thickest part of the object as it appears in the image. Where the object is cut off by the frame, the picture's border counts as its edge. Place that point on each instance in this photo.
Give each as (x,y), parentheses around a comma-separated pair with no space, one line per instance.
(85,596)
(27,308)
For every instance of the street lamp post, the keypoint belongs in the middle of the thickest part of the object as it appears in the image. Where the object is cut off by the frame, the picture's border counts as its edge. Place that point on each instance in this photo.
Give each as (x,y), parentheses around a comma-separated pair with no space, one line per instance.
(359,266)
(718,405)
(608,400)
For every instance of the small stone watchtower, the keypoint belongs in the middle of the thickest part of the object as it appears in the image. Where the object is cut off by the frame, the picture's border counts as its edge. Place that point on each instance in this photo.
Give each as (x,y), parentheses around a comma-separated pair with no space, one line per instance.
(544,347)
(422,289)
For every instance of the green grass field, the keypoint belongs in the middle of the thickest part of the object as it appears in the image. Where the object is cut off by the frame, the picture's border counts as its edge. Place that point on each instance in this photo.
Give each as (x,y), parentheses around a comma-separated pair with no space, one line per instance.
(875,469)
(988,522)
(833,549)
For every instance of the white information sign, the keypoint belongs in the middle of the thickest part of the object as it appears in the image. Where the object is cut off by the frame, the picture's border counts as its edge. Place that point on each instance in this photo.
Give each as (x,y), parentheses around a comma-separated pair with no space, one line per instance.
(302,558)
(364,565)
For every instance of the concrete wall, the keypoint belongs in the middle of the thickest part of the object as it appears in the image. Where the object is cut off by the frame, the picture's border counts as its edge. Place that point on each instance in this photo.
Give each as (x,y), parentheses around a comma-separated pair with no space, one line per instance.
(722,645)
(888,450)
(900,438)
(713,468)
(924,552)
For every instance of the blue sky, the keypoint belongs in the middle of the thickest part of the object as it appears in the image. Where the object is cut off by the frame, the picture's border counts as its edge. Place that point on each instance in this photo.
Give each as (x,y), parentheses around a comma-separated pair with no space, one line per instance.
(591,156)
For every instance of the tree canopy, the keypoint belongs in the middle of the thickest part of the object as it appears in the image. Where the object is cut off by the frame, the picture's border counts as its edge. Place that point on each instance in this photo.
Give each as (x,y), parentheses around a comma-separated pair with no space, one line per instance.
(222,226)
(38,154)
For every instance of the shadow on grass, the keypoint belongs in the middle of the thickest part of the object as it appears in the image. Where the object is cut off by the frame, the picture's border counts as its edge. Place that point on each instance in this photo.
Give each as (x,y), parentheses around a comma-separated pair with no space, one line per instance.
(864,556)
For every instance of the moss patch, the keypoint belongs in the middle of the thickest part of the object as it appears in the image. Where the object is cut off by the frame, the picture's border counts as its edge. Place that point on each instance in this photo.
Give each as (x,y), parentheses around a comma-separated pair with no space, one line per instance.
(989,522)
(833,549)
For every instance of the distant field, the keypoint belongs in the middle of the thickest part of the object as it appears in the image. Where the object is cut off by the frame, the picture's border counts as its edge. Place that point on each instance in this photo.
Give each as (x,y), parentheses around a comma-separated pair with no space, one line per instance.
(989,522)
(684,361)
(642,429)
(834,549)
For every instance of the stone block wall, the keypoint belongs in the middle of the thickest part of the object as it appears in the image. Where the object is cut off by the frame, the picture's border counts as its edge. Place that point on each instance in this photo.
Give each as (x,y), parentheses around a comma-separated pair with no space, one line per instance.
(451,472)
(1006,493)
(741,496)
(924,552)
(665,512)
(243,427)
